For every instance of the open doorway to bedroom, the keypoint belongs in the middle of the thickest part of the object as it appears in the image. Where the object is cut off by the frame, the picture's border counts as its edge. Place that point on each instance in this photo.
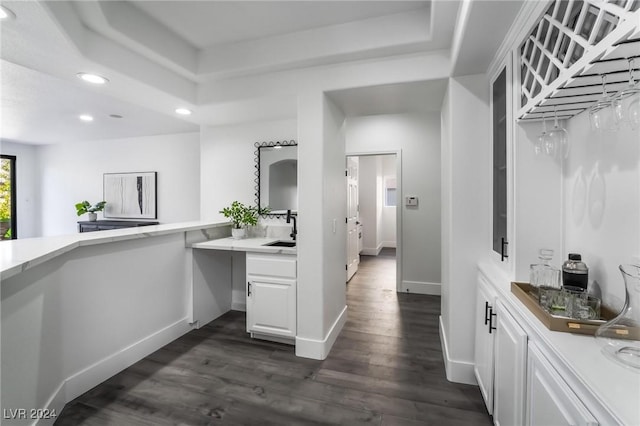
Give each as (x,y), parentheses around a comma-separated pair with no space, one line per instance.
(372,222)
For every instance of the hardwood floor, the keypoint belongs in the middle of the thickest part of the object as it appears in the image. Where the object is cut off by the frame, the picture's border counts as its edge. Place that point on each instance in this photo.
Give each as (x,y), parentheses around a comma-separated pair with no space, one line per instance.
(385,368)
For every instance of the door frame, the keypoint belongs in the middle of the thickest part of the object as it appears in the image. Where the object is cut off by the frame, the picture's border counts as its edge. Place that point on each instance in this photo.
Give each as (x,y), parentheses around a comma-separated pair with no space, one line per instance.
(14,198)
(399,204)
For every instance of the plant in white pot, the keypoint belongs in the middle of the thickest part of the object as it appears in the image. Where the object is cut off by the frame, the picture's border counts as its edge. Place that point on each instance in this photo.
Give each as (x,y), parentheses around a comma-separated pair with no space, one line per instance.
(86,207)
(242,216)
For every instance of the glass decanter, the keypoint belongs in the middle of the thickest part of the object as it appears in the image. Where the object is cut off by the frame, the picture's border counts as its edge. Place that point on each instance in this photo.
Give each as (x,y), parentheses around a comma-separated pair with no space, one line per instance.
(620,337)
(542,274)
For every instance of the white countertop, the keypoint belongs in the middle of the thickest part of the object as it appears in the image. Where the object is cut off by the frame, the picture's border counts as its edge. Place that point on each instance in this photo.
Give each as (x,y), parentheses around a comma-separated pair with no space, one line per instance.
(615,387)
(245,244)
(19,255)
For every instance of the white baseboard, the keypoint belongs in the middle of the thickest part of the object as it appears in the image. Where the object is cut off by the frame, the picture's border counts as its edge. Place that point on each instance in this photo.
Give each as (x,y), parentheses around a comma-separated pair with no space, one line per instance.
(368,251)
(239,306)
(319,349)
(420,287)
(86,379)
(390,244)
(457,371)
(82,381)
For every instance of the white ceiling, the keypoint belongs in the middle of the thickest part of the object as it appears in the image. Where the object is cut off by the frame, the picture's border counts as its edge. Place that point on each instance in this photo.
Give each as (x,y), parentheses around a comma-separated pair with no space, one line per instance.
(207,23)
(160,55)
(419,96)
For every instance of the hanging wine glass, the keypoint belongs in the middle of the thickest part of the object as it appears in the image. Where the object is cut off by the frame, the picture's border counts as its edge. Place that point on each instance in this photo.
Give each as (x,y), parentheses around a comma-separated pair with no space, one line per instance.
(559,137)
(601,115)
(541,142)
(626,103)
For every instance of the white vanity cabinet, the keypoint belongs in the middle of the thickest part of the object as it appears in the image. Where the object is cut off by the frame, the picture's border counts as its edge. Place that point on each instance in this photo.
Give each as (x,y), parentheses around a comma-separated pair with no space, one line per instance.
(510,369)
(550,401)
(271,296)
(484,340)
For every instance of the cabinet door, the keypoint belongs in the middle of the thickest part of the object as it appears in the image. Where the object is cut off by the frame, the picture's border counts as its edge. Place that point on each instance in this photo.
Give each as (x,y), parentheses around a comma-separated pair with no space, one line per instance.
(550,401)
(510,370)
(484,337)
(501,103)
(271,306)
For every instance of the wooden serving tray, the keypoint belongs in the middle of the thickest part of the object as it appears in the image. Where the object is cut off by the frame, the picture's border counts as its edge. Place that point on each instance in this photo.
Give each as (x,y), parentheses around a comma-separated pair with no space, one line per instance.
(555,322)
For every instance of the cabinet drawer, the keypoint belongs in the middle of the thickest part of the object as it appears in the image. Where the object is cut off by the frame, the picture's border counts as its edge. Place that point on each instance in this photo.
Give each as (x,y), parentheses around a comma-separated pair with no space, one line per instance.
(273,265)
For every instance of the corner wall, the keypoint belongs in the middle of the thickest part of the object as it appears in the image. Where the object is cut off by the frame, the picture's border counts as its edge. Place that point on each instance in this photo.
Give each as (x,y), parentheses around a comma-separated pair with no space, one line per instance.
(418,137)
(72,172)
(465,212)
(27,191)
(227,163)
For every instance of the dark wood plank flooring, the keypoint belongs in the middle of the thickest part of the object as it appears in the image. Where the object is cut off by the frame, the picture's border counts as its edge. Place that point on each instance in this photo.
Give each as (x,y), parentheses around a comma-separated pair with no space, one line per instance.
(385,368)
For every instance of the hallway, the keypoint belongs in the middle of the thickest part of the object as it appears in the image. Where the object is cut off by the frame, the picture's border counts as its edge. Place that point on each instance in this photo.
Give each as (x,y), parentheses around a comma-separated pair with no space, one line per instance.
(386,368)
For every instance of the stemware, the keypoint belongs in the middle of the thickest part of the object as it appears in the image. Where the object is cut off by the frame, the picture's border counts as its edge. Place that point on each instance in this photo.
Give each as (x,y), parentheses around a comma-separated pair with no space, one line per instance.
(626,103)
(541,142)
(559,137)
(601,115)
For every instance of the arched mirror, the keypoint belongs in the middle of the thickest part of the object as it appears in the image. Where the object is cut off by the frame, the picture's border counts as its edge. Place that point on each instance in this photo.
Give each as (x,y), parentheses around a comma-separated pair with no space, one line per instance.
(277,176)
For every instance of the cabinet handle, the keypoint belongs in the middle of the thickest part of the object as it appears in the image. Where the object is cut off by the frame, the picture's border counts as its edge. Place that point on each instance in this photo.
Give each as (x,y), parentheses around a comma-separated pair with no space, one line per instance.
(248,288)
(504,243)
(486,312)
(491,315)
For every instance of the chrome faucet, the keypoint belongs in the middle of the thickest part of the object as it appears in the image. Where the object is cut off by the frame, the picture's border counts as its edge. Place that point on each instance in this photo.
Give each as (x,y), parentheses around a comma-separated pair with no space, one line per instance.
(295,225)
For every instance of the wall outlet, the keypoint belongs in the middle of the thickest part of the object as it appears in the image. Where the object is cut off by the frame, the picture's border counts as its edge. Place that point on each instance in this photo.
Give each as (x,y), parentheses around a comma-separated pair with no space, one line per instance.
(411,201)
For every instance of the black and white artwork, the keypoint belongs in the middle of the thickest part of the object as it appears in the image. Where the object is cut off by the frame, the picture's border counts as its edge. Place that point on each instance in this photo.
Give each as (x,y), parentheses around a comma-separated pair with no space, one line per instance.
(130,195)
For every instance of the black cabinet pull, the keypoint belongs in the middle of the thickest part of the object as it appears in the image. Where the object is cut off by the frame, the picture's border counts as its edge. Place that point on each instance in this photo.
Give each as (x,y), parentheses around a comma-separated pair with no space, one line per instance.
(486,312)
(248,288)
(491,315)
(504,243)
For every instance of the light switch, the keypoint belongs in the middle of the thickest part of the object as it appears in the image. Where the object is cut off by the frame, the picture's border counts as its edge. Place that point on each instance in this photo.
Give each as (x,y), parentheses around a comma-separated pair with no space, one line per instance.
(411,201)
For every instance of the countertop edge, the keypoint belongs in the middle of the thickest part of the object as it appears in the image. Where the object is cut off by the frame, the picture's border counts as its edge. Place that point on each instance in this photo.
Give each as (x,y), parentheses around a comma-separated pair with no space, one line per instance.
(14,262)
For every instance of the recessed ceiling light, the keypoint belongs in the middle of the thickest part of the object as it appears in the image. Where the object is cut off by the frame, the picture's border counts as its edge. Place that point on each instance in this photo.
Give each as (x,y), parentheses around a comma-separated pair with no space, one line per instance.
(6,14)
(86,117)
(92,78)
(183,111)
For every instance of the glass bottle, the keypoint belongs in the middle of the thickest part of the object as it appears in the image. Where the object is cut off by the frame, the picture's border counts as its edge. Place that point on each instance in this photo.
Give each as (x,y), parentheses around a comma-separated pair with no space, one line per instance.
(620,337)
(542,274)
(575,274)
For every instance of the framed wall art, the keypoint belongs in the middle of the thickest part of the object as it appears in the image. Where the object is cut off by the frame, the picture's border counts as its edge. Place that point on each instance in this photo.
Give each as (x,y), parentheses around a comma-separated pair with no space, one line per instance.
(130,195)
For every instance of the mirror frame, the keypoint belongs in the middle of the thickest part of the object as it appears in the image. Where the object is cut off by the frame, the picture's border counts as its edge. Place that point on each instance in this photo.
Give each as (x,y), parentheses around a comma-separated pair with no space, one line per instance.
(256,172)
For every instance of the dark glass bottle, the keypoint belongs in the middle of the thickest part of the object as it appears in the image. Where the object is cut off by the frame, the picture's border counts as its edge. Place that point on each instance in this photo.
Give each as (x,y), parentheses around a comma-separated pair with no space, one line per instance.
(575,274)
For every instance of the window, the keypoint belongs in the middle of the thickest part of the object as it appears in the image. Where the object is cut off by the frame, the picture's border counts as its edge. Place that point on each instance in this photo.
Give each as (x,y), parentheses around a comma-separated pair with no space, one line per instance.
(7,198)
(390,198)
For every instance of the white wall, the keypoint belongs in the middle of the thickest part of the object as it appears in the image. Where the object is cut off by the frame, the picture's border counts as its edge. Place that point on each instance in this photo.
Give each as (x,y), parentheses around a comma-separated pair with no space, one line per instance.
(322,231)
(27,189)
(602,203)
(418,137)
(73,172)
(227,162)
(466,182)
(76,320)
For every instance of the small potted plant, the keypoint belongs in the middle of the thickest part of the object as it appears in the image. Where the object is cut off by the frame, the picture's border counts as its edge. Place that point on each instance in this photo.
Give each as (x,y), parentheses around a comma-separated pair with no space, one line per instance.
(242,216)
(86,207)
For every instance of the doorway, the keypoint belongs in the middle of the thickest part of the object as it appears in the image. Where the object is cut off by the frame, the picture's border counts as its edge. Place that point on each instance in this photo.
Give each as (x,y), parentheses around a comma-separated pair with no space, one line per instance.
(8,219)
(376,225)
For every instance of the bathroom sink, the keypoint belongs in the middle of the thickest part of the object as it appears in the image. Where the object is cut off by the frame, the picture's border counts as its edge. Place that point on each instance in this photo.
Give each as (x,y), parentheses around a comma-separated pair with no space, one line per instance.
(281,244)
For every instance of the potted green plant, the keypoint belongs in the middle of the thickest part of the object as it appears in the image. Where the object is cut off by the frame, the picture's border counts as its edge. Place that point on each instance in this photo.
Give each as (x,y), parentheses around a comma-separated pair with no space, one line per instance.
(86,207)
(242,216)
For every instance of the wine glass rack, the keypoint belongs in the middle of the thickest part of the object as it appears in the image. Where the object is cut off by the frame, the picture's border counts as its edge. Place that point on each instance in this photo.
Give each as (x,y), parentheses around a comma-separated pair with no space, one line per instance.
(573,44)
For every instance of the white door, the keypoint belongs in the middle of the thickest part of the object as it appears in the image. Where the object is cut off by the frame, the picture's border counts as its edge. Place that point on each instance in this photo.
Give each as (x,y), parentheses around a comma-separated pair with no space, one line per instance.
(353,256)
(550,401)
(484,338)
(271,306)
(510,370)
